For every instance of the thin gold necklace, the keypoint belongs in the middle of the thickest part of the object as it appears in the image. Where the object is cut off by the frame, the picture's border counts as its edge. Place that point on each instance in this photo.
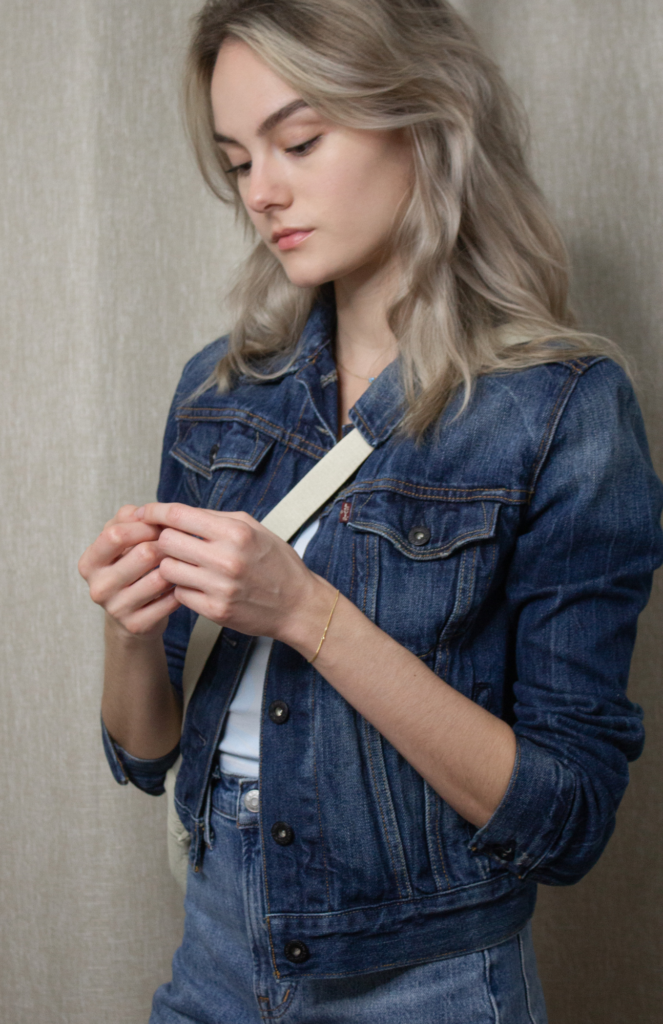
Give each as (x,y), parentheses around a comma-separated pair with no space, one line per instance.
(357,375)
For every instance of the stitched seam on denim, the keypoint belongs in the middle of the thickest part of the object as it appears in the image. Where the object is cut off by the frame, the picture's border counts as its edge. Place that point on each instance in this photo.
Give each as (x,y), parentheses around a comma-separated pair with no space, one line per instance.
(425,491)
(407,963)
(279,433)
(219,498)
(532,867)
(528,1000)
(364,503)
(430,821)
(276,469)
(281,1009)
(364,424)
(487,971)
(317,795)
(551,427)
(192,482)
(385,427)
(271,942)
(415,901)
(438,838)
(515,775)
(195,466)
(389,803)
(354,567)
(374,576)
(379,803)
(331,551)
(366,563)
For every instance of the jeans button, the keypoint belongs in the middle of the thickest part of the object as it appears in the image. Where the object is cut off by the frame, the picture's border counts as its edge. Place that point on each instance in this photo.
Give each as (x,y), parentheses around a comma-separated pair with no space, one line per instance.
(282,833)
(297,952)
(252,800)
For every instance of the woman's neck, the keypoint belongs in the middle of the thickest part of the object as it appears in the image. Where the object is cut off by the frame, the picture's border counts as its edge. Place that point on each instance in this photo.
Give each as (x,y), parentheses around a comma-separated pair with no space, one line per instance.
(364,343)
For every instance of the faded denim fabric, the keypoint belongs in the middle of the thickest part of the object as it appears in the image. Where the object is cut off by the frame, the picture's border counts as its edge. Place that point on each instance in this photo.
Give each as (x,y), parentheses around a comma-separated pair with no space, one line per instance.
(222,972)
(512,552)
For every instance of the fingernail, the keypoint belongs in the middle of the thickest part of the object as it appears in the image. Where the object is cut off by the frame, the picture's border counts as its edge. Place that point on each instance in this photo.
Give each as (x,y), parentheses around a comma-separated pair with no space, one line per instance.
(140,512)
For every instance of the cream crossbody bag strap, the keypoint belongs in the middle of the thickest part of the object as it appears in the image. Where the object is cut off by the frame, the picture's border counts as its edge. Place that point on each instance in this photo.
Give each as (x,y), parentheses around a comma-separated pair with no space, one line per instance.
(285,519)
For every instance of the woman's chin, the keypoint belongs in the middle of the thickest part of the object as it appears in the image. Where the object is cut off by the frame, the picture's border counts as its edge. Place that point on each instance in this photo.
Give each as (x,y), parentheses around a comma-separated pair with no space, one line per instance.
(303,278)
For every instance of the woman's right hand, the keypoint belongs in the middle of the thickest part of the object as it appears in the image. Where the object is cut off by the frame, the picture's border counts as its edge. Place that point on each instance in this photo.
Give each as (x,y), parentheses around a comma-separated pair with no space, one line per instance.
(121,568)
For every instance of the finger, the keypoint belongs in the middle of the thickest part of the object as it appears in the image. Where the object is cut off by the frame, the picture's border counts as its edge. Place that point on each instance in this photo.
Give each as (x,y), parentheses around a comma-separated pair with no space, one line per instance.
(199,522)
(194,577)
(107,580)
(125,514)
(130,599)
(147,618)
(114,541)
(201,603)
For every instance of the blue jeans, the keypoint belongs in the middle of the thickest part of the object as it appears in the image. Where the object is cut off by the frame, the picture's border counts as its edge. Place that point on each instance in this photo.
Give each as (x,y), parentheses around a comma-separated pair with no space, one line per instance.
(222,972)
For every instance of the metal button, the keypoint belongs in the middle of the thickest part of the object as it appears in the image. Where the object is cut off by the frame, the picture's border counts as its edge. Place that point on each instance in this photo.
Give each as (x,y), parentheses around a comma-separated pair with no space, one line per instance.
(419,535)
(282,833)
(279,711)
(506,852)
(297,952)
(214,451)
(252,800)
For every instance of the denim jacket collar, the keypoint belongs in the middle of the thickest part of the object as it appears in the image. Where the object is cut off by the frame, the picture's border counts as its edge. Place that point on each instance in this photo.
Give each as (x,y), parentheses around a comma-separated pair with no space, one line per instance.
(379,410)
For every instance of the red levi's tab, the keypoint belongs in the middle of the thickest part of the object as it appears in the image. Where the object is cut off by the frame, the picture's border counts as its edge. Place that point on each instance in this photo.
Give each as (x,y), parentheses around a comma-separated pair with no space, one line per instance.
(346,509)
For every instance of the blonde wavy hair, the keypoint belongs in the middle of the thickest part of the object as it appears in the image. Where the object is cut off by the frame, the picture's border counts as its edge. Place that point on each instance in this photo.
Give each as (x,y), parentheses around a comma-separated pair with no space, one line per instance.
(485,285)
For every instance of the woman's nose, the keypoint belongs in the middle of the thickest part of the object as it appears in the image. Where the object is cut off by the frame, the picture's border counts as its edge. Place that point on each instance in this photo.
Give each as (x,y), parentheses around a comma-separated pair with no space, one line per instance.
(267,186)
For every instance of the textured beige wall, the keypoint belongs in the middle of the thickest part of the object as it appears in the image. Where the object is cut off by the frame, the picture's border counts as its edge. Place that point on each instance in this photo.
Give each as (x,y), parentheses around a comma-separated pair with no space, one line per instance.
(112,264)
(111,261)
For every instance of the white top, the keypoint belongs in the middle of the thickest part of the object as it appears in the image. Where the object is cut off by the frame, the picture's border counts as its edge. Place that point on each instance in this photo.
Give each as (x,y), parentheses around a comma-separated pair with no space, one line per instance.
(240,742)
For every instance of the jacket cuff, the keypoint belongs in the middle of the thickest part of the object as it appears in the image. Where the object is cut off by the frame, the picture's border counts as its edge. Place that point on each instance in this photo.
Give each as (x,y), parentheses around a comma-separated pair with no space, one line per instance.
(146,774)
(532,813)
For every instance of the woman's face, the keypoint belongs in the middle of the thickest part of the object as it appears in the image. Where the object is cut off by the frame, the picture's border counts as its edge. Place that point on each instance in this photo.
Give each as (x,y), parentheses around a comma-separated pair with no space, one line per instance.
(337,189)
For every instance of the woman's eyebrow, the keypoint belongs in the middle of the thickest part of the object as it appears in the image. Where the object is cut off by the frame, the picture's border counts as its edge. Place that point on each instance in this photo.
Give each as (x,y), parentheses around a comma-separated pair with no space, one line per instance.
(269,122)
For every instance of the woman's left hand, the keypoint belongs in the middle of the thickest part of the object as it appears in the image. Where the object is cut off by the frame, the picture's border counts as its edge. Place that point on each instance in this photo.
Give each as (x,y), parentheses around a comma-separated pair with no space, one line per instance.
(231,569)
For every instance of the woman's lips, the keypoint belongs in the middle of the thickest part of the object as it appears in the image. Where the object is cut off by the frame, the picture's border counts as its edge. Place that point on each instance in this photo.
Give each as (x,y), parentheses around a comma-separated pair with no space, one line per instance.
(293,239)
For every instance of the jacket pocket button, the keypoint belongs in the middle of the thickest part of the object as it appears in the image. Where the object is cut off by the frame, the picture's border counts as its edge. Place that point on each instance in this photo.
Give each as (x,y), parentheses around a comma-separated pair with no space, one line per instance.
(419,535)
(282,833)
(506,852)
(279,711)
(297,952)
(214,451)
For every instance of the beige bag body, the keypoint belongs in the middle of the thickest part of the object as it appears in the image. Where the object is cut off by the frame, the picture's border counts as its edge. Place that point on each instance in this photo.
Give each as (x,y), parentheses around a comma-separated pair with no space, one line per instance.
(285,519)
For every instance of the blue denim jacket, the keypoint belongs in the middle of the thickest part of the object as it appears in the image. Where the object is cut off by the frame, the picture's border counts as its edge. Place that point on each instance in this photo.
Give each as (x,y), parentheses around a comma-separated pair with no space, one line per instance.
(512,552)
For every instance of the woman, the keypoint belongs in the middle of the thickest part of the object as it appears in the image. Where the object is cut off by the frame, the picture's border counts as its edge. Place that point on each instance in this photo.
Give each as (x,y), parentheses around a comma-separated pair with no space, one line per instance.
(368,830)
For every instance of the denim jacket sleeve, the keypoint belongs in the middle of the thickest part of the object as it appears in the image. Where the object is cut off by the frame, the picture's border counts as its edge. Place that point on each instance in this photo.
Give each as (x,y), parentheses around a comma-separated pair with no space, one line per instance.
(146,774)
(579,578)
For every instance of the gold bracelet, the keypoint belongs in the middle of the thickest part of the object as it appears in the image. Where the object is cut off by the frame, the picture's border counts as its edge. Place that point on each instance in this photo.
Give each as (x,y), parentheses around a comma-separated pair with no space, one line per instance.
(322,640)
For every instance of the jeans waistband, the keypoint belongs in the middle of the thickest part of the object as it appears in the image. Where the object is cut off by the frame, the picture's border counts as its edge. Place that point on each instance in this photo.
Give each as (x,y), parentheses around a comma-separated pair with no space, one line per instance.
(229,797)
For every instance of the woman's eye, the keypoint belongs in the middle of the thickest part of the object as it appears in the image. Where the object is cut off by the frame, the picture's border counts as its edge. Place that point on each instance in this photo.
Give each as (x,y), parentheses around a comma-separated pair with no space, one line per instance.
(299,150)
(240,170)
(303,147)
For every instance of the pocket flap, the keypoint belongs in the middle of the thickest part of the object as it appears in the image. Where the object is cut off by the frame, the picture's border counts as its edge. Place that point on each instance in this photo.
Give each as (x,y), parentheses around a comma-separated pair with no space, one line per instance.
(425,529)
(208,445)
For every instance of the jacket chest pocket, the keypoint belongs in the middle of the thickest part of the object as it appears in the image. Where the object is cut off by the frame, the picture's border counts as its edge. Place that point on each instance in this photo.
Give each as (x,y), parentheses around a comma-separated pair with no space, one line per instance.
(223,459)
(422,568)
